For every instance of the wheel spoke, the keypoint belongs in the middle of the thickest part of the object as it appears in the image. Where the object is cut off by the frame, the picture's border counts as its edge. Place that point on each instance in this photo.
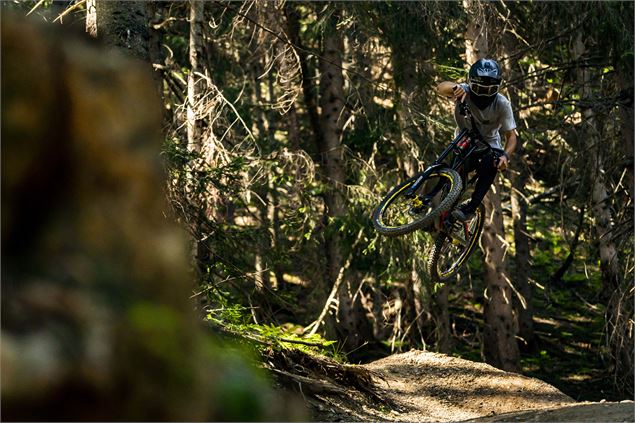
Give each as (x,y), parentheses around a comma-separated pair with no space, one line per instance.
(458,244)
(401,213)
(402,210)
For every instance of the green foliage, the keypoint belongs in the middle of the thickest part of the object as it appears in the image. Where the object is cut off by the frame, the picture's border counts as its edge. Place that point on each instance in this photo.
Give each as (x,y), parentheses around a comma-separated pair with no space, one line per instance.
(272,209)
(235,320)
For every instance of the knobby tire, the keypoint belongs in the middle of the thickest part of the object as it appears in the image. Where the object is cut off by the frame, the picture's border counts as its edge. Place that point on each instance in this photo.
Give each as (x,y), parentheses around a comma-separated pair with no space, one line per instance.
(437,250)
(448,200)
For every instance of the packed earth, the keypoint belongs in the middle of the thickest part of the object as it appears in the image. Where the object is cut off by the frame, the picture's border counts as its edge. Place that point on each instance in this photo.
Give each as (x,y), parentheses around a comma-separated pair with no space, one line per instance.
(423,386)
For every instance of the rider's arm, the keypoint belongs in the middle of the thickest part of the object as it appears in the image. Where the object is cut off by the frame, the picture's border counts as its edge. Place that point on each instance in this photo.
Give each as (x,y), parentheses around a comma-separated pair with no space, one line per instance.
(451,90)
(510,146)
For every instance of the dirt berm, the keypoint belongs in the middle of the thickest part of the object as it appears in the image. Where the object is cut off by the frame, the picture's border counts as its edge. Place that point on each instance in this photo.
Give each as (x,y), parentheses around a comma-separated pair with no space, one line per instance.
(421,386)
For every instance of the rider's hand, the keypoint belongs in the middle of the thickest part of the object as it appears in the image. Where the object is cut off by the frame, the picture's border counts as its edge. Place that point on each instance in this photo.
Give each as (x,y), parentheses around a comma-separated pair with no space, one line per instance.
(458,93)
(503,162)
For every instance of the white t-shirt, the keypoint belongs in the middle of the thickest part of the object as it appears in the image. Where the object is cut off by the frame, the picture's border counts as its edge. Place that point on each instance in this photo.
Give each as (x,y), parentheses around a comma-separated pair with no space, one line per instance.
(498,116)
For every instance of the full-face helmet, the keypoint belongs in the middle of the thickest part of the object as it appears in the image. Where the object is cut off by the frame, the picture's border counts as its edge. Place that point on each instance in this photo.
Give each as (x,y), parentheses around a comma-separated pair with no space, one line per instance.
(485,77)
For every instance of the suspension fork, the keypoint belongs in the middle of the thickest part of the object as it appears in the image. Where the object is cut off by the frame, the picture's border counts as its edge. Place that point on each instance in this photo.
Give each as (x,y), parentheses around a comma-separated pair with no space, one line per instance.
(422,177)
(439,164)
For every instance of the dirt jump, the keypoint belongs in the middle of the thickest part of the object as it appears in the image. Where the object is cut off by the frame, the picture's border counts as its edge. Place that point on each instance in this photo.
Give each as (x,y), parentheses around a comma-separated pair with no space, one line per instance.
(422,386)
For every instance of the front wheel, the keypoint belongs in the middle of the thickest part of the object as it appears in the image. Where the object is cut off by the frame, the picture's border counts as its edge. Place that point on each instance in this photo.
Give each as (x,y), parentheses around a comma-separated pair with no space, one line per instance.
(398,214)
(454,245)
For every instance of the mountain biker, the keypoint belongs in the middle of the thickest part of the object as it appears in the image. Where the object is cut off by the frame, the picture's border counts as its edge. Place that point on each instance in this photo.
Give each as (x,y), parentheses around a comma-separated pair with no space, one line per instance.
(492,113)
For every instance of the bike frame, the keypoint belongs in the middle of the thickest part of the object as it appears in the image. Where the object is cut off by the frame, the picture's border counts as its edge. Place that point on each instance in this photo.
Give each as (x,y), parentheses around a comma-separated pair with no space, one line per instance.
(439,163)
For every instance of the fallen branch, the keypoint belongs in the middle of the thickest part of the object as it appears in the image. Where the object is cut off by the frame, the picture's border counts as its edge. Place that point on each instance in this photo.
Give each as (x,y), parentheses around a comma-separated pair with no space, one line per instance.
(309,385)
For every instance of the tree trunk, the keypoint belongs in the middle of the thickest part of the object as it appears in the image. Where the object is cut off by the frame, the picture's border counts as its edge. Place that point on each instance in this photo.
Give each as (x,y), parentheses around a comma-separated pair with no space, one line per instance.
(627,125)
(195,83)
(523,307)
(262,279)
(441,317)
(601,210)
(405,81)
(124,24)
(620,325)
(423,303)
(617,292)
(435,322)
(91,18)
(308,88)
(476,45)
(121,23)
(352,325)
(519,175)
(362,79)
(310,97)
(499,339)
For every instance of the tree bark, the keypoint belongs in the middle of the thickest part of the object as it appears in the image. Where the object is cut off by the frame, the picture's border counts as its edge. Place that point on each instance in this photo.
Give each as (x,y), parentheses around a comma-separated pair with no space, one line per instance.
(195,83)
(352,327)
(91,18)
(121,23)
(441,316)
(600,204)
(262,278)
(499,341)
(308,89)
(519,175)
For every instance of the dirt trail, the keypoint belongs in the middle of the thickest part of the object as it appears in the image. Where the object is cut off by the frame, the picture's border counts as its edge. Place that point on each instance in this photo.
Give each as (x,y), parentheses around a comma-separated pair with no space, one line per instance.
(423,386)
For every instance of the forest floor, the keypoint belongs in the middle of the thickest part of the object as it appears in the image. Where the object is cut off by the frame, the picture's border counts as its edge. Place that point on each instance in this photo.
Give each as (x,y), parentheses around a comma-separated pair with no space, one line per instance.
(424,386)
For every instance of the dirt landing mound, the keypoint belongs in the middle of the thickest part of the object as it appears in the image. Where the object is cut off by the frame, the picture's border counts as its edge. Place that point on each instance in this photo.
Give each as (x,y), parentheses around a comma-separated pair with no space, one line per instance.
(438,387)
(424,386)
(420,386)
(587,412)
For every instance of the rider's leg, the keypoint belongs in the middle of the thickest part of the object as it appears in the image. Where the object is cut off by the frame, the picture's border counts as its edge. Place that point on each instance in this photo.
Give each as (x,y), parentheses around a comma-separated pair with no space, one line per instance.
(486,172)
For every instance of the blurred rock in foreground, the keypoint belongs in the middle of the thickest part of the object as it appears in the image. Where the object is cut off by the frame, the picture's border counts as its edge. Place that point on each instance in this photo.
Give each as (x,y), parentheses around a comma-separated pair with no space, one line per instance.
(96,321)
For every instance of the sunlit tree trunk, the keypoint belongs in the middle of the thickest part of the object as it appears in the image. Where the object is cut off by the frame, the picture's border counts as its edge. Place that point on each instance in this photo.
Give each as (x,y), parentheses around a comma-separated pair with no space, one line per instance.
(499,341)
(195,82)
(601,210)
(263,282)
(91,18)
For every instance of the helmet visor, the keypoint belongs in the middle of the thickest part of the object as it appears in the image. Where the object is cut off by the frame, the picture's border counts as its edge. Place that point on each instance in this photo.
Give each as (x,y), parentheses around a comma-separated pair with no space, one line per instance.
(483,90)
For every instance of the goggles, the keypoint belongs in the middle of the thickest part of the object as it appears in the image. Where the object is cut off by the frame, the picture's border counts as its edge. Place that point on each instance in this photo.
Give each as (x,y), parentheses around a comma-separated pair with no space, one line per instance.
(484,90)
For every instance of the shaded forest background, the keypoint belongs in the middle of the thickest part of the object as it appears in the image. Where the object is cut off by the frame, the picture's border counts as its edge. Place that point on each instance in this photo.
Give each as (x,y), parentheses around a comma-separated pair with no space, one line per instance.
(284,123)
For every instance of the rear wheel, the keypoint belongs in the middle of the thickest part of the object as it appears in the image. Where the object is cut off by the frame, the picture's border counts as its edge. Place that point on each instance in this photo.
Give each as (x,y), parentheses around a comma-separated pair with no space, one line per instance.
(398,214)
(454,246)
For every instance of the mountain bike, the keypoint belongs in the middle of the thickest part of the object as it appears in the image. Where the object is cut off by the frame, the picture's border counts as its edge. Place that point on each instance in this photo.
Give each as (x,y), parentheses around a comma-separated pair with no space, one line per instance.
(425,201)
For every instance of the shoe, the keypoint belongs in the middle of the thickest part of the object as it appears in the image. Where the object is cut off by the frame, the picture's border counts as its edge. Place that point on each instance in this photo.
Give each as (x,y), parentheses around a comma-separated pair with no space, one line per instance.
(462,214)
